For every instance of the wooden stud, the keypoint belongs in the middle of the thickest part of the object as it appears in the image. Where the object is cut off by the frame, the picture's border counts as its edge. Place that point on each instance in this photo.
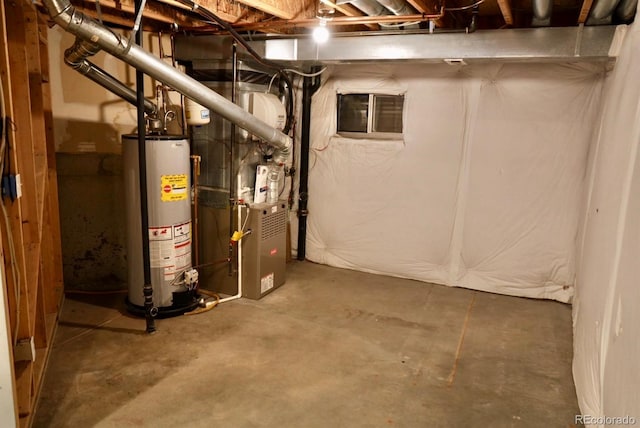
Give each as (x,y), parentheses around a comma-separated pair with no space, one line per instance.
(9,284)
(24,387)
(51,249)
(24,219)
(32,44)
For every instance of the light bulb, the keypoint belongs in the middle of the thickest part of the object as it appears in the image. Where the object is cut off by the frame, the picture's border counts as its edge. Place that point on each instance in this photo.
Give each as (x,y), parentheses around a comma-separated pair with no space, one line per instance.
(321,33)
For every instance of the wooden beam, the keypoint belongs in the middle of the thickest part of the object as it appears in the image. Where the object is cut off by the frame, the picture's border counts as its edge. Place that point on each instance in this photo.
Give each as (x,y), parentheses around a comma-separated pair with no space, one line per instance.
(421,6)
(153,10)
(505,8)
(281,8)
(584,11)
(224,9)
(118,18)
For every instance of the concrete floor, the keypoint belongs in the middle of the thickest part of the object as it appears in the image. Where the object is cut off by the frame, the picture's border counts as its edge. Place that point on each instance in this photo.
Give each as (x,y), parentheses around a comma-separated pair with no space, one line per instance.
(331,348)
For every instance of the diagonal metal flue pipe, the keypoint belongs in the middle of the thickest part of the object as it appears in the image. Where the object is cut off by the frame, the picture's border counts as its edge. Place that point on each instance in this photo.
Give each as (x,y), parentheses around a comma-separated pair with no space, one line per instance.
(82,26)
(76,58)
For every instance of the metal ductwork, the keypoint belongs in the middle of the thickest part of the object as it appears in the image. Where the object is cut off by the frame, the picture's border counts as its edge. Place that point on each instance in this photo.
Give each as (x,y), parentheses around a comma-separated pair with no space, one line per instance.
(383,7)
(85,28)
(602,12)
(398,7)
(370,7)
(542,13)
(626,10)
(553,44)
(75,57)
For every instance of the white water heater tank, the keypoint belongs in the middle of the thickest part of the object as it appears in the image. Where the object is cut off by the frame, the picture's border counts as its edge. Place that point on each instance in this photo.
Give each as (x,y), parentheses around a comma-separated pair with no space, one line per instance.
(169,207)
(268,108)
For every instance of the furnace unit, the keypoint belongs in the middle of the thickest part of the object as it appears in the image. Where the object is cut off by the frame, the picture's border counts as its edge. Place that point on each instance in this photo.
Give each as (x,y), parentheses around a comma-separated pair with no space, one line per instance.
(264,249)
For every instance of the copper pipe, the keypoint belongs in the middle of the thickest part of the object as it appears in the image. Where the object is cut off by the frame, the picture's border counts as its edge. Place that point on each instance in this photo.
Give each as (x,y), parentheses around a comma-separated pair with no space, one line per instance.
(196,173)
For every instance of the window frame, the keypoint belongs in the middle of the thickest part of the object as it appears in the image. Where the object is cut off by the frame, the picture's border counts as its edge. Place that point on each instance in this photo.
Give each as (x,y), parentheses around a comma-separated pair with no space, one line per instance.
(371,105)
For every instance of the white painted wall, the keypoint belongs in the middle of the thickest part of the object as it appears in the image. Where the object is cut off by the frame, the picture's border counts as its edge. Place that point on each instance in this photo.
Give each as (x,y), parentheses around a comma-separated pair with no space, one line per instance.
(8,416)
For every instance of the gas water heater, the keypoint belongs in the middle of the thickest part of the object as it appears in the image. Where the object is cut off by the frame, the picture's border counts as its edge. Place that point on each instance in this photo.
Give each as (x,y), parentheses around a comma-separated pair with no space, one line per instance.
(170,234)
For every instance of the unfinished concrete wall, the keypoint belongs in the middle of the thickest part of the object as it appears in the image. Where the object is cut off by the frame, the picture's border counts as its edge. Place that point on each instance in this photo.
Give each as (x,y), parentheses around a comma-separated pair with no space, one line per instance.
(88,124)
(92,220)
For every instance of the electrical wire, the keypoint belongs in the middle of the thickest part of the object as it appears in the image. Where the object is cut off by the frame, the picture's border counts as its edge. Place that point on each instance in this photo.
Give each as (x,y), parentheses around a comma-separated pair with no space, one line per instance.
(402,24)
(99,11)
(246,219)
(175,279)
(470,6)
(300,73)
(271,81)
(136,25)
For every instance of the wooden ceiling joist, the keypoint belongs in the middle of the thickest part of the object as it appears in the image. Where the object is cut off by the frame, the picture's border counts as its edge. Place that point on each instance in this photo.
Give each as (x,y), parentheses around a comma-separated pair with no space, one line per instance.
(283,9)
(584,11)
(345,9)
(505,9)
(125,19)
(423,6)
(115,12)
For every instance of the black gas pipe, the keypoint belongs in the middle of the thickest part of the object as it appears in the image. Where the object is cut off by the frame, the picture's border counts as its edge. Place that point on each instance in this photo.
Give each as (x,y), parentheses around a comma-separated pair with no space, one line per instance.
(147,290)
(232,143)
(309,87)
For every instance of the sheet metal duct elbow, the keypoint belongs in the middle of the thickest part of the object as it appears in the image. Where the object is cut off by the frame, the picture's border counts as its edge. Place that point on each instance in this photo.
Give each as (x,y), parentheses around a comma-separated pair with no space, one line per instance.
(398,7)
(626,10)
(542,13)
(370,7)
(602,12)
(75,22)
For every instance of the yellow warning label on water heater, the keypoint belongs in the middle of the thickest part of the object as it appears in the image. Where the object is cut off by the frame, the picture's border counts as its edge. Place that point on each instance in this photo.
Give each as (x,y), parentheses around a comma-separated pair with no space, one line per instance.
(174,187)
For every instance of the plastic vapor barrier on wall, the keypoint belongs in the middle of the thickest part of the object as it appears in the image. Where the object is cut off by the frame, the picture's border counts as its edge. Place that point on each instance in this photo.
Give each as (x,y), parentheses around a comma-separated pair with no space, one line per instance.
(606,315)
(482,190)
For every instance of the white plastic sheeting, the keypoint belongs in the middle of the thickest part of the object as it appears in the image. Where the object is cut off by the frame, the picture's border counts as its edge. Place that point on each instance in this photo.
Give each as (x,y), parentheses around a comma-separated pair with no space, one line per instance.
(483,191)
(606,315)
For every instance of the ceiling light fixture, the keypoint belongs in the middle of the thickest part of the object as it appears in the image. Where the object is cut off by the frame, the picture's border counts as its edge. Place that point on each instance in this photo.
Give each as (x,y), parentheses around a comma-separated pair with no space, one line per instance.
(321,32)
(324,13)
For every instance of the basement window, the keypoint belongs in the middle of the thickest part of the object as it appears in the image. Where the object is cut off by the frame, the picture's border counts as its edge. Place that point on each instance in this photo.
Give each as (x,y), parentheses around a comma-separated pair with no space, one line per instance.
(370,115)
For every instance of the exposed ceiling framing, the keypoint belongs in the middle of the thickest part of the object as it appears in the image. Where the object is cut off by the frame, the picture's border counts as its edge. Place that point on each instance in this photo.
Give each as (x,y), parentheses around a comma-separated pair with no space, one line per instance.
(294,16)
